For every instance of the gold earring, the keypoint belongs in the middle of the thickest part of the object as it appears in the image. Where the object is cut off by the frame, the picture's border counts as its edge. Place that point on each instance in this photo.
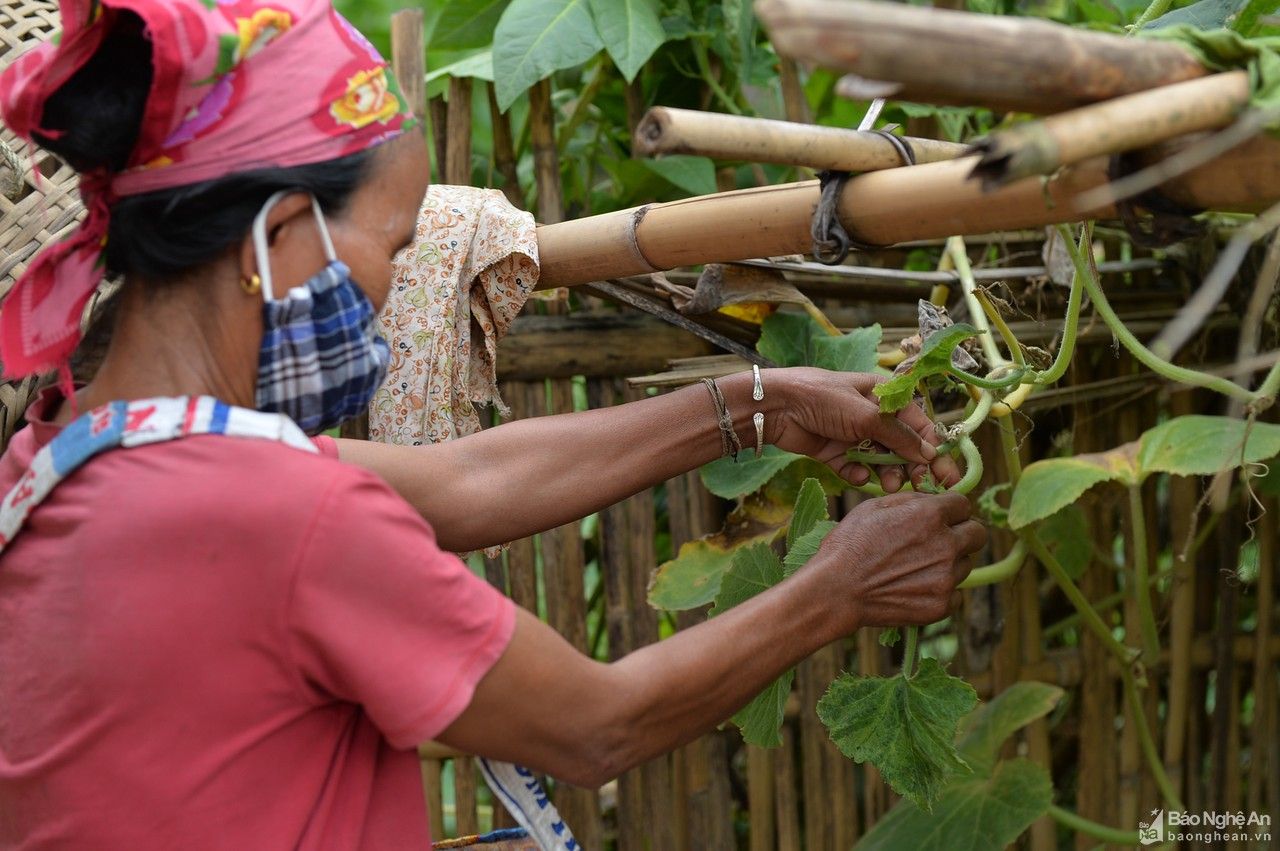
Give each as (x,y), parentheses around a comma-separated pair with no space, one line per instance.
(251,285)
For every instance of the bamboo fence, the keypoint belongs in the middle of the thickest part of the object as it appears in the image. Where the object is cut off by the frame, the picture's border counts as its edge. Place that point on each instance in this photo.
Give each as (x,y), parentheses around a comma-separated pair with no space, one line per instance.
(589,579)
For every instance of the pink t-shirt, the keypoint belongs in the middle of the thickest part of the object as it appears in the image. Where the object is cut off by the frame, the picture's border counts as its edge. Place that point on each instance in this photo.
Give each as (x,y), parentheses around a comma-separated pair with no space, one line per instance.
(223,643)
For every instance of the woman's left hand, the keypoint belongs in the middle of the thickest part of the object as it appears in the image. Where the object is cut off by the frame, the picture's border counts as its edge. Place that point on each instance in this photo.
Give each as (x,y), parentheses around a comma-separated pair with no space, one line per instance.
(824,414)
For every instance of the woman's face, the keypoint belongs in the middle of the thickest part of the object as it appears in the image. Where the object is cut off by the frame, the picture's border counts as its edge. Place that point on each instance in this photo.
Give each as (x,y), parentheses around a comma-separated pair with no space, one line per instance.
(381,216)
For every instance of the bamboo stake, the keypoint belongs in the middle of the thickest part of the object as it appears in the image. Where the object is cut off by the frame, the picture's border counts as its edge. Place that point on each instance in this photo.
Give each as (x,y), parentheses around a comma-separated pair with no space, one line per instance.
(785,803)
(408,58)
(546,161)
(1123,124)
(794,101)
(969,59)
(667,130)
(504,151)
(1262,745)
(1182,506)
(464,796)
(458,146)
(760,792)
(879,207)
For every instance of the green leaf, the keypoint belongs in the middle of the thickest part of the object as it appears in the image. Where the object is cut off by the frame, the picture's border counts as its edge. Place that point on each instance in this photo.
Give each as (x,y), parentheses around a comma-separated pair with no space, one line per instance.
(1048,486)
(934,359)
(631,31)
(756,568)
(905,727)
(761,720)
(787,339)
(974,813)
(478,66)
(1067,536)
(1197,445)
(728,479)
(852,352)
(889,636)
(536,38)
(811,506)
(806,546)
(467,24)
(990,725)
(695,175)
(1204,15)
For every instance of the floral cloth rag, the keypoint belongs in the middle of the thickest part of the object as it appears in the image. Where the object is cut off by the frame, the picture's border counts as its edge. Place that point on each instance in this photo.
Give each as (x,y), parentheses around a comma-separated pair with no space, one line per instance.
(454,293)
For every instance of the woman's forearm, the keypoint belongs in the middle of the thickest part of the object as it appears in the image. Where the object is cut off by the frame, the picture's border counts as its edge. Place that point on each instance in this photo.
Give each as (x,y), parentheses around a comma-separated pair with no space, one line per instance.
(530,475)
(586,723)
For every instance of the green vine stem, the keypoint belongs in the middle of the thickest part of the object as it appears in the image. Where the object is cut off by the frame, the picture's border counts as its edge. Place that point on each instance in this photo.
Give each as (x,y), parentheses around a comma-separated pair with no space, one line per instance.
(1071,325)
(1006,333)
(1268,390)
(1090,828)
(1124,655)
(1141,583)
(1144,355)
(1013,376)
(1154,764)
(959,255)
(998,571)
(909,648)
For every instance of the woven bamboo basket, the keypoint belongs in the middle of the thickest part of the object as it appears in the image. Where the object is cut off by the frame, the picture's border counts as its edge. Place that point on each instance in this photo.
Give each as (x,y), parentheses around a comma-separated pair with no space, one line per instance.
(39,201)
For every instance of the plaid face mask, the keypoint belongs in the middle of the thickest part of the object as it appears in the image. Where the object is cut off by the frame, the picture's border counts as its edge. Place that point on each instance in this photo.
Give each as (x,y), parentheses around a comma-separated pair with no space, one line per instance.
(321,358)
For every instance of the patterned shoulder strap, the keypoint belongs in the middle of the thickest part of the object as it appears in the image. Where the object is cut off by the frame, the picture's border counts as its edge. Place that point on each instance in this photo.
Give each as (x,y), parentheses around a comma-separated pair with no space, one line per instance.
(129,424)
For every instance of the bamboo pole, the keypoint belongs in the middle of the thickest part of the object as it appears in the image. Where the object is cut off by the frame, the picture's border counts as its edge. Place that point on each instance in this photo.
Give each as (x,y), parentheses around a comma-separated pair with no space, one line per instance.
(546,160)
(794,101)
(667,130)
(760,801)
(968,59)
(504,151)
(1122,124)
(408,58)
(785,804)
(458,146)
(880,208)
(1263,745)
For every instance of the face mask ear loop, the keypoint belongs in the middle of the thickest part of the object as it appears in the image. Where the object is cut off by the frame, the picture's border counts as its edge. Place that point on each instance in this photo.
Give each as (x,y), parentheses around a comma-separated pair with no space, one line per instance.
(260,250)
(329,253)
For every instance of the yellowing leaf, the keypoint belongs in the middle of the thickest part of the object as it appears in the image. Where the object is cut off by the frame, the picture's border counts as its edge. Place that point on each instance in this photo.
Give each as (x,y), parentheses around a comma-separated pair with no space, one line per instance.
(905,727)
(692,578)
(1048,486)
(1197,445)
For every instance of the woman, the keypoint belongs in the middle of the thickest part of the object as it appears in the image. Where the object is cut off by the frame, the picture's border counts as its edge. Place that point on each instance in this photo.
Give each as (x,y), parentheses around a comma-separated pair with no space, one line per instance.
(218,633)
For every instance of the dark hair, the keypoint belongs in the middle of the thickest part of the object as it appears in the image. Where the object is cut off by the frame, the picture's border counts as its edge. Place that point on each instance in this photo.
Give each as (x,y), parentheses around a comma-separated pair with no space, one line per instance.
(162,235)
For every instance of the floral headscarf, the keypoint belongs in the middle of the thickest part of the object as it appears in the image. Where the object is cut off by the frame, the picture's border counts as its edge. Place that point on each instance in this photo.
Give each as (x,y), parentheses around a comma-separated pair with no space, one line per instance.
(237,86)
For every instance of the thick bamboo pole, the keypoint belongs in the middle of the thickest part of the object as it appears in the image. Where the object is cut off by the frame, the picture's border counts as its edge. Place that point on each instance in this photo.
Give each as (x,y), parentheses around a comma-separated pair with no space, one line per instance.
(666,130)
(881,208)
(457,170)
(963,58)
(1123,124)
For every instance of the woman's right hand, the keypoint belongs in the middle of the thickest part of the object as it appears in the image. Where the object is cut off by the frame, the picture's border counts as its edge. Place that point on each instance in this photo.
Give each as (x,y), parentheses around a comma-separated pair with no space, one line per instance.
(896,560)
